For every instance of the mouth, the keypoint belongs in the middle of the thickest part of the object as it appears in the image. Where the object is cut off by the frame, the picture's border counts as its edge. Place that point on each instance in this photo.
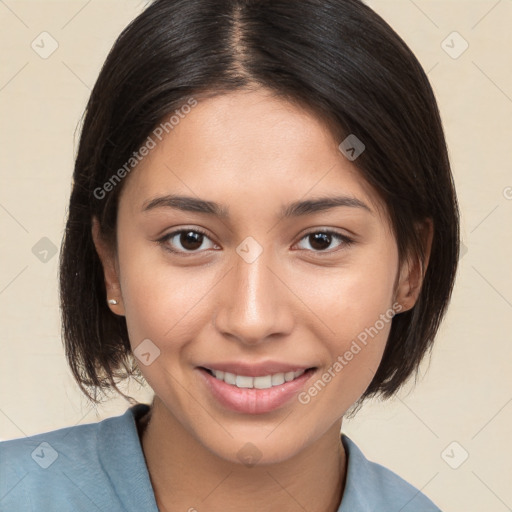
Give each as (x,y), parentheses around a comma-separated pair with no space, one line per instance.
(258,394)
(260,382)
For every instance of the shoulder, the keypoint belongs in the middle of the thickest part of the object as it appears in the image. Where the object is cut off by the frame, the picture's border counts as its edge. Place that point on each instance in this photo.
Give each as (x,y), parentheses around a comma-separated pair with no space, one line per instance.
(371,486)
(69,468)
(34,465)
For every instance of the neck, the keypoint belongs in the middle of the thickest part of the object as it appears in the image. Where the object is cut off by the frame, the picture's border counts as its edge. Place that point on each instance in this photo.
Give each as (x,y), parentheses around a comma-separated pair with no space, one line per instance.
(187,476)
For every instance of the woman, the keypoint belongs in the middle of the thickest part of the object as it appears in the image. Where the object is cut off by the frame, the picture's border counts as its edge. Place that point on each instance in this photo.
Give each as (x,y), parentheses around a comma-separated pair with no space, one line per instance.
(263,226)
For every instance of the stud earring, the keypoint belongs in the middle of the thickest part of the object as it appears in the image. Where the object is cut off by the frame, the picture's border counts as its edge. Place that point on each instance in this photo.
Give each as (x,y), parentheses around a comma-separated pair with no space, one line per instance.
(113,302)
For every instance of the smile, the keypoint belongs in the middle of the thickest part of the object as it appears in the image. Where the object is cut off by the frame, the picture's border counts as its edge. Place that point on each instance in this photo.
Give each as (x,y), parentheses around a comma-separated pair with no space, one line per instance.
(258,394)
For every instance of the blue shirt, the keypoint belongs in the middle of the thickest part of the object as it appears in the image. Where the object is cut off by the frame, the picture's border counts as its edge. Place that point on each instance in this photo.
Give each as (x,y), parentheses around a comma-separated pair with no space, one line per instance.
(101,467)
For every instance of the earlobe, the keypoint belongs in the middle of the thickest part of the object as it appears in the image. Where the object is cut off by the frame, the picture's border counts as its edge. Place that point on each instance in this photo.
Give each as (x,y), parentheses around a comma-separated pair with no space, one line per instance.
(412,272)
(110,270)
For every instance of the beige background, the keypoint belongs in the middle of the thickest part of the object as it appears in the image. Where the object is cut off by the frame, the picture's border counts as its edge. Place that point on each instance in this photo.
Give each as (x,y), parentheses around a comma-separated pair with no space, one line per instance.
(466,395)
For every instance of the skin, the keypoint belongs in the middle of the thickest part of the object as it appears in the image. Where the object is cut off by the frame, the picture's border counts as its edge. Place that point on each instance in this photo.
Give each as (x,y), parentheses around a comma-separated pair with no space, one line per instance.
(252,153)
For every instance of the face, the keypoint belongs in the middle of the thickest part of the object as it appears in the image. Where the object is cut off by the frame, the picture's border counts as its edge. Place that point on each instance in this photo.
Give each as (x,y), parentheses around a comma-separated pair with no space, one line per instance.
(253,292)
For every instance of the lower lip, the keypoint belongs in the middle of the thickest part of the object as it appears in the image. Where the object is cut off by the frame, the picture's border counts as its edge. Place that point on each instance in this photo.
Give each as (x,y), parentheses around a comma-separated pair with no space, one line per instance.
(252,400)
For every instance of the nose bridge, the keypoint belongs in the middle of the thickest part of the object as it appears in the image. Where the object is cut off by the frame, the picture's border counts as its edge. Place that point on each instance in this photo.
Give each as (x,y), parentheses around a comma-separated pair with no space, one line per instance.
(253,305)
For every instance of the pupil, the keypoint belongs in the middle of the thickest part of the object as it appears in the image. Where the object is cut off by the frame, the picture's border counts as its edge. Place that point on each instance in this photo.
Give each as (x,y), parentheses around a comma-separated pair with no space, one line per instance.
(191,237)
(318,238)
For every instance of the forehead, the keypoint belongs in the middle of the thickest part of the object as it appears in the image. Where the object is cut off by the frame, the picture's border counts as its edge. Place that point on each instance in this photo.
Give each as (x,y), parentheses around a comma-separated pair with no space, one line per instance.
(250,145)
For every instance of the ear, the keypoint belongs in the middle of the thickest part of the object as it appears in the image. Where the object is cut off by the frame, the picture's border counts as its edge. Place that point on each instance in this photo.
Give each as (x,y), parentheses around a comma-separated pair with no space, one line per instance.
(110,269)
(412,271)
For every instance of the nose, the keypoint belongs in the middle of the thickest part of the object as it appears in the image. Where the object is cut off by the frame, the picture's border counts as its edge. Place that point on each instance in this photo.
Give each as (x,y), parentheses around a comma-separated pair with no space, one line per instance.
(254,302)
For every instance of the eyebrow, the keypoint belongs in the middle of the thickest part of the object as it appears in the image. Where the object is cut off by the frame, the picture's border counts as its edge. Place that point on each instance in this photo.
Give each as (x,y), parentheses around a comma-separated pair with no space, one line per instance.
(295,209)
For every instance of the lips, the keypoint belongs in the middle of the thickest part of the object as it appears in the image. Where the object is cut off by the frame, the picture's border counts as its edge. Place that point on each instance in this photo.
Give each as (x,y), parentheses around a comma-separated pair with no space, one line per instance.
(256,399)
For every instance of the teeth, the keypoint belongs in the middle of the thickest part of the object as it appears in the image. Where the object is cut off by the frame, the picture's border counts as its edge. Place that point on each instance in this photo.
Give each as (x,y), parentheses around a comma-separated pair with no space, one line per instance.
(288,376)
(278,379)
(265,382)
(229,378)
(244,382)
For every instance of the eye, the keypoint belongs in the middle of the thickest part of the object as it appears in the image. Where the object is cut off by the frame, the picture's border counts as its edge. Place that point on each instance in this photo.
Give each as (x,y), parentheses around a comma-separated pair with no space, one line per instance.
(190,240)
(321,240)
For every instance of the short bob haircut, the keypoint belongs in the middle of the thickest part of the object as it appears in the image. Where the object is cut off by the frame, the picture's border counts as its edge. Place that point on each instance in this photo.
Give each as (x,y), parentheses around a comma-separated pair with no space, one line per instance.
(338,59)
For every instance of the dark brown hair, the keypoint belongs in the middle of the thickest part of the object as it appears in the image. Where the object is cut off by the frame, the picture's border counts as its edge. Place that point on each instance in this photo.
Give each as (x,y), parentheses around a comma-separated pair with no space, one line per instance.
(337,58)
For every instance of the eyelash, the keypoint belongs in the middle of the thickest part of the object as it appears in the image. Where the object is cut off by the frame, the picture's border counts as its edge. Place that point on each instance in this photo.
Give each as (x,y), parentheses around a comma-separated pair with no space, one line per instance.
(163,241)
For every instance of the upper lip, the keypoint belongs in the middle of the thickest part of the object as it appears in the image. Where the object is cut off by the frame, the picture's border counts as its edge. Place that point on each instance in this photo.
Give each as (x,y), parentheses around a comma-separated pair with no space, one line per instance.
(256,369)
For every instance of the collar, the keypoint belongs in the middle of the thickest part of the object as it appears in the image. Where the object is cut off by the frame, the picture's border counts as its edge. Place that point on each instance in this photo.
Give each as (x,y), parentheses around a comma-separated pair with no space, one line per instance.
(368,485)
(120,453)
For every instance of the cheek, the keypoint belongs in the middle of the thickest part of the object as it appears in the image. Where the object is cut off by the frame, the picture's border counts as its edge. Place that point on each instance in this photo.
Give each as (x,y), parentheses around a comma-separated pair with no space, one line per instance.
(162,308)
(353,316)
(358,313)
(159,298)
(351,298)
